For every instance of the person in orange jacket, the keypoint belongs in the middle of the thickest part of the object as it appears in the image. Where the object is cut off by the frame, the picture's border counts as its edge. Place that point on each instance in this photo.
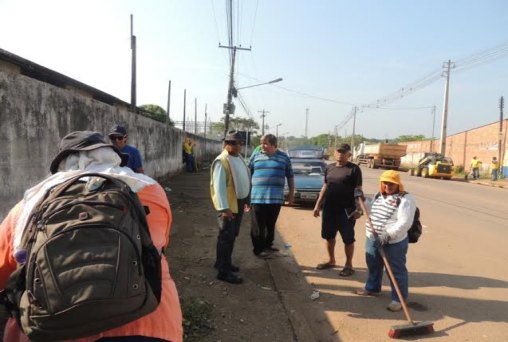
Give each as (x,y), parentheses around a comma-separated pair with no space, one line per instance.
(83,152)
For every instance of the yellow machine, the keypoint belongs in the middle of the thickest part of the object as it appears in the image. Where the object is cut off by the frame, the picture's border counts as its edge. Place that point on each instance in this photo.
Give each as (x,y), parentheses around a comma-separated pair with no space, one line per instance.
(434,165)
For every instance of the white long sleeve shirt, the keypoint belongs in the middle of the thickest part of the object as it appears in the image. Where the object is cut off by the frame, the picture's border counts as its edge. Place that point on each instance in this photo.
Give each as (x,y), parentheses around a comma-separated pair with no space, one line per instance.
(392,214)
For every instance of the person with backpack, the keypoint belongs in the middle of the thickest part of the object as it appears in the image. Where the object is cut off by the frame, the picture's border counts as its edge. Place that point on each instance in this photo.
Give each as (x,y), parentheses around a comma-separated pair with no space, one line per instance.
(392,212)
(88,188)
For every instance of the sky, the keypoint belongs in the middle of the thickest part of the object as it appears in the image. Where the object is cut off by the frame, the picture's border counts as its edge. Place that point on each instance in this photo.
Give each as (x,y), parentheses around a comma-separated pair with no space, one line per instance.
(333,55)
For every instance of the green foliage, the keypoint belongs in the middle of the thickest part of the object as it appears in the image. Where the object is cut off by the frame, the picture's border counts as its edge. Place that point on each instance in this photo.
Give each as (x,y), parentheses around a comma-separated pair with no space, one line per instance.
(402,138)
(156,112)
(197,318)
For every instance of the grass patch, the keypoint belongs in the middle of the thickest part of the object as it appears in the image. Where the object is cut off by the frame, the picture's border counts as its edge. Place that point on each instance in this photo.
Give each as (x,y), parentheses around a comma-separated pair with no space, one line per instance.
(197,321)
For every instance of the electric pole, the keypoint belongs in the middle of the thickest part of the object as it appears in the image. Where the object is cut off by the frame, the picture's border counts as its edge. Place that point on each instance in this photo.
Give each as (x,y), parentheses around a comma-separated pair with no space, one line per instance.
(229,107)
(184,105)
(169,101)
(206,116)
(448,66)
(499,148)
(133,67)
(306,123)
(195,116)
(263,120)
(353,135)
(433,125)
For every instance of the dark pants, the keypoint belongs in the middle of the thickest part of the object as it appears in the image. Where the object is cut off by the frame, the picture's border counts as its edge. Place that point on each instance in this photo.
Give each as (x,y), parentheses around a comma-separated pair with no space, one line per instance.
(229,230)
(190,164)
(264,217)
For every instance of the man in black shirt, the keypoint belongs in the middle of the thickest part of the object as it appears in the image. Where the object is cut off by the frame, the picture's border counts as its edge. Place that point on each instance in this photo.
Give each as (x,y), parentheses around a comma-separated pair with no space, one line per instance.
(339,207)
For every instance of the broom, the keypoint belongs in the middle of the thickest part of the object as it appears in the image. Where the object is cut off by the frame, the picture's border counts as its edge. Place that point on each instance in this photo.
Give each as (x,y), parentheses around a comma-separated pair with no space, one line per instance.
(413,328)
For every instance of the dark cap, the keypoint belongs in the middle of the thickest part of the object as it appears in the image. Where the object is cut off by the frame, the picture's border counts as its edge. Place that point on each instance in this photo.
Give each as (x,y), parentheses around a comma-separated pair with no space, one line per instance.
(82,141)
(343,148)
(234,136)
(117,130)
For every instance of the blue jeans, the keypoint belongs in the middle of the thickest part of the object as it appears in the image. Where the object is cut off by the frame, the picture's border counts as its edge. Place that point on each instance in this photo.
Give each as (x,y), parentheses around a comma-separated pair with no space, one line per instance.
(494,175)
(396,255)
(189,162)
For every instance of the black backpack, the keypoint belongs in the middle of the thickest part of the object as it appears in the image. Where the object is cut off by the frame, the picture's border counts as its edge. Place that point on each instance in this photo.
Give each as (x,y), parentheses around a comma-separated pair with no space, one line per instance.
(90,262)
(416,229)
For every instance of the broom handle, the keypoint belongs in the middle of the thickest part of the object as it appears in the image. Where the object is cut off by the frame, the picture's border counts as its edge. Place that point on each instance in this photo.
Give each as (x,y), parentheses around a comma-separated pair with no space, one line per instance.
(387,265)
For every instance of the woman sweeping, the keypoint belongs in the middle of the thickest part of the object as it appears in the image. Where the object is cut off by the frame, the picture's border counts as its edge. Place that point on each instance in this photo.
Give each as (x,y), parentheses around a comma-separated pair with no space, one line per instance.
(391,212)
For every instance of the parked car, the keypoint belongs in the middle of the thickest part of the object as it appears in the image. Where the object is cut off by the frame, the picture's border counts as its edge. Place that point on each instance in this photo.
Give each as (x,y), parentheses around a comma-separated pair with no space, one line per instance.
(309,179)
(306,152)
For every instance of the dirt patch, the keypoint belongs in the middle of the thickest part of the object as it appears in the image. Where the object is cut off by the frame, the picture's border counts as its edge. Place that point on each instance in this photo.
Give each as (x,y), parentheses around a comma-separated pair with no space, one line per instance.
(214,310)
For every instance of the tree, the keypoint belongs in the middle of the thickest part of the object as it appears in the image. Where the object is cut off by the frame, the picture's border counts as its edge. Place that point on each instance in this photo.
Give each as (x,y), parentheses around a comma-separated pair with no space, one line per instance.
(156,112)
(418,137)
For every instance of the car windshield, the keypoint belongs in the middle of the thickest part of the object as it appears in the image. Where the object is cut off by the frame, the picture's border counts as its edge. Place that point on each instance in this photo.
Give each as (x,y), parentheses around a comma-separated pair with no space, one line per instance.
(307,168)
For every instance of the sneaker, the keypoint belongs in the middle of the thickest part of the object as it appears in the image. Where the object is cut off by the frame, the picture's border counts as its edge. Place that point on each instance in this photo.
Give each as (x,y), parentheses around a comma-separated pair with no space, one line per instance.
(230,278)
(394,306)
(364,292)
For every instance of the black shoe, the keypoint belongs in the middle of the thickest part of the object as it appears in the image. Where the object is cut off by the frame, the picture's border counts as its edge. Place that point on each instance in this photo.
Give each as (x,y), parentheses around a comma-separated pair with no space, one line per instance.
(272,249)
(232,268)
(263,255)
(230,278)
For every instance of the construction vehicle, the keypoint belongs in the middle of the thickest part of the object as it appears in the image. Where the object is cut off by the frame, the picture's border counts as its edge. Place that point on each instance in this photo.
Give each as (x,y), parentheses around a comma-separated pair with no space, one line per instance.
(434,165)
(379,155)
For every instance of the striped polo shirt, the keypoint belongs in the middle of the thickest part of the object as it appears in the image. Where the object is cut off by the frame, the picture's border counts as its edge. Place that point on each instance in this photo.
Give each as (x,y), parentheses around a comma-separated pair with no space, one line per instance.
(268,177)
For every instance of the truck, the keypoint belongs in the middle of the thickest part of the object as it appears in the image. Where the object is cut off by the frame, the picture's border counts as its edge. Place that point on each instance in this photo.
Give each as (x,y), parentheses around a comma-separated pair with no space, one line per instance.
(379,155)
(433,165)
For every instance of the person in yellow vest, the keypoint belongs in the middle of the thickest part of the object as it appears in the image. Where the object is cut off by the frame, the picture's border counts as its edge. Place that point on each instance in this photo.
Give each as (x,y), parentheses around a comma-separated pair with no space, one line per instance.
(188,155)
(494,168)
(229,189)
(475,168)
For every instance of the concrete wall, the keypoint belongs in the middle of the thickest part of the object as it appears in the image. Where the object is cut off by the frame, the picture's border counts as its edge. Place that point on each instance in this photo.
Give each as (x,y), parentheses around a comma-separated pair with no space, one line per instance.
(35,115)
(481,142)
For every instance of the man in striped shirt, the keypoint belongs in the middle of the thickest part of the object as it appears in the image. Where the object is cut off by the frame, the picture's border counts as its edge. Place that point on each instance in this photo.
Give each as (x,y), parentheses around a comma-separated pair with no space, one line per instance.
(269,170)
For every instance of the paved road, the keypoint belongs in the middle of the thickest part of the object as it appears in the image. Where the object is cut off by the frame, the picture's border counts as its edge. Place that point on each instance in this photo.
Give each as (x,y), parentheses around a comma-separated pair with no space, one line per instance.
(458,272)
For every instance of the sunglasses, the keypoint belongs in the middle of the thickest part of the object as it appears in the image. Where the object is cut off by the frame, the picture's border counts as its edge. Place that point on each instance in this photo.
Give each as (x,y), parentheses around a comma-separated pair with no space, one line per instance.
(117,138)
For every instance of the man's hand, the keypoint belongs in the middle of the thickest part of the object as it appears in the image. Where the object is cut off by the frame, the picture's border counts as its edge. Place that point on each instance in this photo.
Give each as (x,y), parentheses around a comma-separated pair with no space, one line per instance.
(246,207)
(316,212)
(382,239)
(291,198)
(227,214)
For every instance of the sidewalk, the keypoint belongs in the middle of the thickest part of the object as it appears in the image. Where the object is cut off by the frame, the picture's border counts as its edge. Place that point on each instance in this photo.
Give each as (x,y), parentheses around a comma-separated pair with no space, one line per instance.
(266,307)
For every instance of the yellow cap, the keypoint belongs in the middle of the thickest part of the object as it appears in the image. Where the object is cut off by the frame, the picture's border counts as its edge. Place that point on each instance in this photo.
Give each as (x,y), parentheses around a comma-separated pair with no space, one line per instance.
(391,177)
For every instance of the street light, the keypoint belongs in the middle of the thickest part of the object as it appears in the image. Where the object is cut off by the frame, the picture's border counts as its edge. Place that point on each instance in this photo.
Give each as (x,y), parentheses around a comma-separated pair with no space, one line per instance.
(235,90)
(277,130)
(229,107)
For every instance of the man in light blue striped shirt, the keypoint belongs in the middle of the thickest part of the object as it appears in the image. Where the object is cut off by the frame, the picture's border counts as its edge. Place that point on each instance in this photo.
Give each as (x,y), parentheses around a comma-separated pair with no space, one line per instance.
(269,171)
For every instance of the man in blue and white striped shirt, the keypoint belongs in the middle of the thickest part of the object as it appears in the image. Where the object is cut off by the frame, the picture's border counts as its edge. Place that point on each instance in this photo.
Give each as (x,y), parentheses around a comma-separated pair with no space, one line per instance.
(269,170)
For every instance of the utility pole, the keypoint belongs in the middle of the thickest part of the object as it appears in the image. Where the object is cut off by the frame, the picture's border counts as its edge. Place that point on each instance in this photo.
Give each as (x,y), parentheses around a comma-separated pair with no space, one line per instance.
(206,116)
(306,123)
(169,101)
(263,120)
(353,135)
(446,73)
(229,107)
(499,148)
(433,125)
(184,105)
(195,116)
(133,67)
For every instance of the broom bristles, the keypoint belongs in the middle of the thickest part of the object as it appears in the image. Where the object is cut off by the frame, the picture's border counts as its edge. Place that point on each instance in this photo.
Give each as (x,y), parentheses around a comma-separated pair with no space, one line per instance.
(421,328)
